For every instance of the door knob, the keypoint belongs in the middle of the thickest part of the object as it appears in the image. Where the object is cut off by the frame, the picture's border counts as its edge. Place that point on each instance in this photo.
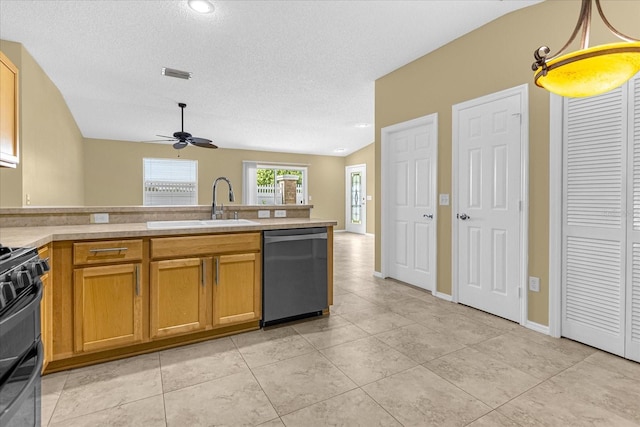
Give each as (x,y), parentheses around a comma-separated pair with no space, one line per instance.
(428,216)
(463,216)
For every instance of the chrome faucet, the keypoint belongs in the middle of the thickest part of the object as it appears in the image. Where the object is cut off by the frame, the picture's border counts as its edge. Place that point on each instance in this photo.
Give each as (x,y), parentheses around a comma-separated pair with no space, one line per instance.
(214,208)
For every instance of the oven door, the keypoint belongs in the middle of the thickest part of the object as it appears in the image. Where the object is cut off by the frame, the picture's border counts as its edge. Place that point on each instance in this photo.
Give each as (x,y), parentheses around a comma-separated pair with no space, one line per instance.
(20,394)
(20,327)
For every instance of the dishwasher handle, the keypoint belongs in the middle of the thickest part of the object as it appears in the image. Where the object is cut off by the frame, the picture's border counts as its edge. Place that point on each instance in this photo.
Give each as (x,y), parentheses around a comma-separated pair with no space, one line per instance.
(277,239)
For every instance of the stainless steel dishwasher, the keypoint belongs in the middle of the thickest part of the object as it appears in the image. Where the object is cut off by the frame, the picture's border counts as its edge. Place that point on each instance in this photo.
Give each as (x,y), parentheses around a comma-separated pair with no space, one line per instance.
(294,281)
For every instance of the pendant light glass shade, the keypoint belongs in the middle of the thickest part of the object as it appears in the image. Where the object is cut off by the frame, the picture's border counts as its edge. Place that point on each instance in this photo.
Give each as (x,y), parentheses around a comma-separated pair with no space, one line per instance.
(590,70)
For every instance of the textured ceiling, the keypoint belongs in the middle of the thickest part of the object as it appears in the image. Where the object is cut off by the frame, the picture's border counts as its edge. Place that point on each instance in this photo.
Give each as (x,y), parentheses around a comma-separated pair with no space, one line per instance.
(291,76)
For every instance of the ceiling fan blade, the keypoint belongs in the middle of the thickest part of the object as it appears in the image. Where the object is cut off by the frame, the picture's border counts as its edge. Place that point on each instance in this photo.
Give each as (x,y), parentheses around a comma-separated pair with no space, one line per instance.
(205,145)
(159,140)
(166,136)
(202,142)
(180,145)
(194,140)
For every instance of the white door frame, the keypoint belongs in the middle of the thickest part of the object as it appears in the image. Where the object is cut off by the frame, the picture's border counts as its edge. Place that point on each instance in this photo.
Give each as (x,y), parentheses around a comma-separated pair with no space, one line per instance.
(385,190)
(521,90)
(555,215)
(363,213)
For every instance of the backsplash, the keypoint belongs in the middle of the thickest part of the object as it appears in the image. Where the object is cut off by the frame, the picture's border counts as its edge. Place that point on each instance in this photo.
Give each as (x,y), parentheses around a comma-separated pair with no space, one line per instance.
(51,216)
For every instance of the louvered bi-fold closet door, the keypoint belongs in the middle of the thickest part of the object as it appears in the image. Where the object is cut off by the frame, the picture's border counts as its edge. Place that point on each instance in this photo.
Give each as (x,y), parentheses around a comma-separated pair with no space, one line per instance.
(594,224)
(633,227)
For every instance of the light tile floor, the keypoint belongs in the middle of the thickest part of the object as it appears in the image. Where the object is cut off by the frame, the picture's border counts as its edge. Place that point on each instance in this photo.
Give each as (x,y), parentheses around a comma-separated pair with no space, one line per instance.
(389,355)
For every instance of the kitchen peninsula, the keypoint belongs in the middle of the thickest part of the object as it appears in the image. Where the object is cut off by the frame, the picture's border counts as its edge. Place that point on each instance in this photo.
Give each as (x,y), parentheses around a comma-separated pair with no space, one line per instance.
(121,288)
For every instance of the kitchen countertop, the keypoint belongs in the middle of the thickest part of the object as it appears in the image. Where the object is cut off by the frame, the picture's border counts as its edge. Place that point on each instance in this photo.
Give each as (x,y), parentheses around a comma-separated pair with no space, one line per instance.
(38,236)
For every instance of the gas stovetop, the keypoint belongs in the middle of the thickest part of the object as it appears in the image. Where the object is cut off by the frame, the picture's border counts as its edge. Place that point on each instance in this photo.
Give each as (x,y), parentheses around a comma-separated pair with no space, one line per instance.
(10,256)
(20,268)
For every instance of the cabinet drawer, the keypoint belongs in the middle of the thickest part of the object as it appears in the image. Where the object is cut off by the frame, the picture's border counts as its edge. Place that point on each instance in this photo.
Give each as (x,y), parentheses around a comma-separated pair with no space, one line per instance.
(43,252)
(170,247)
(105,252)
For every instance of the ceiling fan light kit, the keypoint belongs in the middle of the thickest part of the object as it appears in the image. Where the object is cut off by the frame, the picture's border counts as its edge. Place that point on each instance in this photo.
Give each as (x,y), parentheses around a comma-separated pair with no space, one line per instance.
(590,70)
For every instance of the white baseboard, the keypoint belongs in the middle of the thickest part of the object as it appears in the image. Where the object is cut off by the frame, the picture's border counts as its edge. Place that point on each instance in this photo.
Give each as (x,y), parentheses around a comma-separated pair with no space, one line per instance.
(378,275)
(344,230)
(537,327)
(443,296)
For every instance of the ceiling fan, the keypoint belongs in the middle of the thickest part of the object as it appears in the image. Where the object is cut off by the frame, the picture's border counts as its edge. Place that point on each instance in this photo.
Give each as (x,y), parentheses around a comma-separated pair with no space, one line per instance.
(182,138)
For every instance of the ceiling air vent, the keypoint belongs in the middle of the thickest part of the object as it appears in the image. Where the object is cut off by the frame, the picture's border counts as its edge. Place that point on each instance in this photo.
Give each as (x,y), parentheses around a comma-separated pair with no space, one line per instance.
(170,72)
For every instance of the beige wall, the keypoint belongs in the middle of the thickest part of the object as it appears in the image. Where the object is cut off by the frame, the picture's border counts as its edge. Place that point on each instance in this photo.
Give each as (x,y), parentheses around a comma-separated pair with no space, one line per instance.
(113,174)
(366,156)
(51,168)
(494,57)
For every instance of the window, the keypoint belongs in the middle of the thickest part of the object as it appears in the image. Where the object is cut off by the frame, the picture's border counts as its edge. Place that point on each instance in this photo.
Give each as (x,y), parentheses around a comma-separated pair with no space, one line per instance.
(170,182)
(274,183)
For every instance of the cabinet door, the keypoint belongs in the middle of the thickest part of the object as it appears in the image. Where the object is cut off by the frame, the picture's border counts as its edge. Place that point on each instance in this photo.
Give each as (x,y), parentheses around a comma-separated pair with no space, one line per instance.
(236,289)
(8,113)
(178,296)
(108,307)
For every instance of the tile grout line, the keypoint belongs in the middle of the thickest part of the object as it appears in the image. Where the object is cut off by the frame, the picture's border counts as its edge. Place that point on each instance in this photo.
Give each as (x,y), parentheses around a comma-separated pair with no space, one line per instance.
(57,400)
(257,381)
(164,401)
(380,404)
(541,382)
(119,405)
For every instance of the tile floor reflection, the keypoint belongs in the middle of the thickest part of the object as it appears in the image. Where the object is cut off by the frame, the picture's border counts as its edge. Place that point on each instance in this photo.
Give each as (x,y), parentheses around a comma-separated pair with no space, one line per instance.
(388,355)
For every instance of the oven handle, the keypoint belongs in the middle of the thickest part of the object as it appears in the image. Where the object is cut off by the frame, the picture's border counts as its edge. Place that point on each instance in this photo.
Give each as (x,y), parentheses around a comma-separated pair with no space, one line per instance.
(14,319)
(277,239)
(12,408)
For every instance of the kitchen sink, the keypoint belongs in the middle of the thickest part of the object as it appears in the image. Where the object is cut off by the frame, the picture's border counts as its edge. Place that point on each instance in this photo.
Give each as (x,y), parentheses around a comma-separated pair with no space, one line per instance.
(200,223)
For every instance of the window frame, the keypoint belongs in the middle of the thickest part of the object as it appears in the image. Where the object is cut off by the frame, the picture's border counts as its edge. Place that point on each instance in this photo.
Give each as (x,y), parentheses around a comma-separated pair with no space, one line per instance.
(250,180)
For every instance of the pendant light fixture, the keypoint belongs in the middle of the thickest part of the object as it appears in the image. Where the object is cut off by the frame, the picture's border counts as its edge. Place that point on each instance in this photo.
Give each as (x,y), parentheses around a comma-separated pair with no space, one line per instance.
(589,70)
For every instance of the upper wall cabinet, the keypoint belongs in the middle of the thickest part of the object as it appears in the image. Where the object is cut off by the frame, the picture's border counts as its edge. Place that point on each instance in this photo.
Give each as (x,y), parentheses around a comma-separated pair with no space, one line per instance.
(8,113)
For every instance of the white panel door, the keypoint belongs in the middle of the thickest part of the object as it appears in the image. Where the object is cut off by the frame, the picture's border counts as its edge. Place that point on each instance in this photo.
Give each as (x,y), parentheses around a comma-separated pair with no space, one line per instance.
(632,345)
(594,235)
(356,199)
(488,168)
(410,197)
(601,220)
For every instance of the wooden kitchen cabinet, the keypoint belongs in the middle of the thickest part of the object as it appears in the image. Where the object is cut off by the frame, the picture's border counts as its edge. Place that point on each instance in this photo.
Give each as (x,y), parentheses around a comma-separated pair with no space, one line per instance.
(232,275)
(9,113)
(180,247)
(46,308)
(115,298)
(178,291)
(236,289)
(107,307)
(107,252)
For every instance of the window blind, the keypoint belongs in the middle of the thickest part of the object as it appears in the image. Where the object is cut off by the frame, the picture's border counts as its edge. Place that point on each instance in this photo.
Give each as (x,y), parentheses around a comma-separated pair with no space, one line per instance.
(170,182)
